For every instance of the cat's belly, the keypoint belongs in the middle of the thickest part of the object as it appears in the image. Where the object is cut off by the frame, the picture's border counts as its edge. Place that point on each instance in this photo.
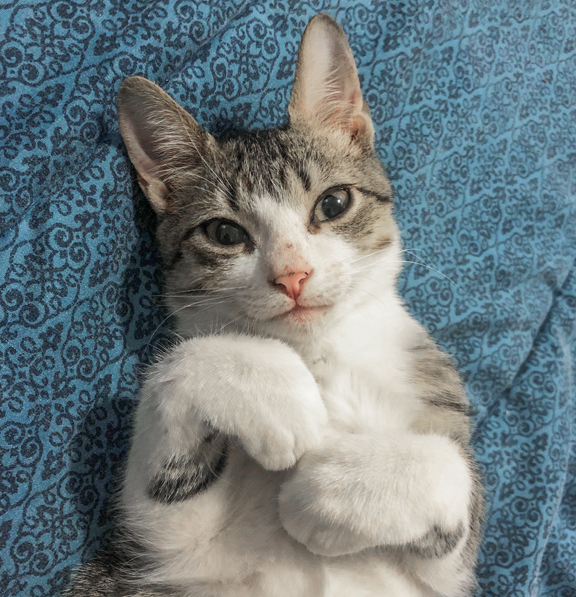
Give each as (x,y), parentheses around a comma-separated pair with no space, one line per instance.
(367,575)
(362,576)
(231,540)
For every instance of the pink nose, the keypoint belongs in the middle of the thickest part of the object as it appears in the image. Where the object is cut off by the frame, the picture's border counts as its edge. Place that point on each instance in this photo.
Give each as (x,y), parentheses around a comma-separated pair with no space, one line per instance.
(291,284)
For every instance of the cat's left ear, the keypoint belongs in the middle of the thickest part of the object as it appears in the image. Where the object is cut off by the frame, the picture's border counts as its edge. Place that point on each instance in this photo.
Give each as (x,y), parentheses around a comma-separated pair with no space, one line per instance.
(162,139)
(326,89)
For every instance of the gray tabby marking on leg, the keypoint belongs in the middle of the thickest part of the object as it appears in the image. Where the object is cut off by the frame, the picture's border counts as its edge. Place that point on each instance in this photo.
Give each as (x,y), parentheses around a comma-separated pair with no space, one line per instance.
(183,477)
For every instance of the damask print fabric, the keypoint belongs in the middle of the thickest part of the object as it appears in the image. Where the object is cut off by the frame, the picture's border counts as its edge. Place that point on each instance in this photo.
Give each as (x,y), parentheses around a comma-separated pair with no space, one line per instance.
(474,103)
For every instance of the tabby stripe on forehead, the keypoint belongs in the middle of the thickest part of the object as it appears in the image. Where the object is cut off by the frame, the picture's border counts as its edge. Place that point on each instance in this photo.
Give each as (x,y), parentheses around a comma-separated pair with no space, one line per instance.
(377,196)
(304,177)
(231,198)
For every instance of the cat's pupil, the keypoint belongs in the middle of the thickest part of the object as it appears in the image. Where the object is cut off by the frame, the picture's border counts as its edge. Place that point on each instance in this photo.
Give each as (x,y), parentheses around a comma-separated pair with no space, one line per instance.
(333,205)
(228,234)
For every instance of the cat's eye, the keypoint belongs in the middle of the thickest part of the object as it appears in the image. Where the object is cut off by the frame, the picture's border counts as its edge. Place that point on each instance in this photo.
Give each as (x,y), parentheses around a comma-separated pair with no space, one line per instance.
(331,204)
(224,232)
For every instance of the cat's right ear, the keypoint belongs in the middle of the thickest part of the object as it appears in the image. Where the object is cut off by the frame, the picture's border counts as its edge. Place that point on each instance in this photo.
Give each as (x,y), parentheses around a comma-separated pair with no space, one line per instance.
(161,137)
(326,89)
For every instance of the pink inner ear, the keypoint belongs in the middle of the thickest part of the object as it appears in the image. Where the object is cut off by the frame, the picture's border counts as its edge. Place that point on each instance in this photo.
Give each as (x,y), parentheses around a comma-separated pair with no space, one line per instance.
(326,87)
(344,111)
(154,189)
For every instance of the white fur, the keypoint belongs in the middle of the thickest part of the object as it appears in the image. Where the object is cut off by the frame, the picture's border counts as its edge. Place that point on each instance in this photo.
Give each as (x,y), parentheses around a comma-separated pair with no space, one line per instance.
(400,484)
(334,395)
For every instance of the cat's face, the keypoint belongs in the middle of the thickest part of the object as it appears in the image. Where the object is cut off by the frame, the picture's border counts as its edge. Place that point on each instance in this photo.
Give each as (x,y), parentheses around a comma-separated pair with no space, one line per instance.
(274,232)
(279,231)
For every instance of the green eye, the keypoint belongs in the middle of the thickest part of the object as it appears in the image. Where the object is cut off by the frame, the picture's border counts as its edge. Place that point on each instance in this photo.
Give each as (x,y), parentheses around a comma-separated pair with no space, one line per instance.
(332,204)
(226,233)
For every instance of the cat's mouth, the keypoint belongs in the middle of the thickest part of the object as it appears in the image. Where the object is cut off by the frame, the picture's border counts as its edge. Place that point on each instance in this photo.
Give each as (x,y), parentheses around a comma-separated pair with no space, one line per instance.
(302,313)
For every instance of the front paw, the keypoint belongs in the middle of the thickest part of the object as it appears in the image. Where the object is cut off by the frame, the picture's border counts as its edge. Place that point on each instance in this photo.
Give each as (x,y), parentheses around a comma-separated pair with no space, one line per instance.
(258,390)
(277,411)
(311,509)
(291,422)
(364,491)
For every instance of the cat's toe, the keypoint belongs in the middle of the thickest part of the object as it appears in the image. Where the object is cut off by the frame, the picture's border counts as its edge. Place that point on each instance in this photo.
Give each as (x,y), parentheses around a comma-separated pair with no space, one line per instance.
(275,453)
(319,536)
(332,541)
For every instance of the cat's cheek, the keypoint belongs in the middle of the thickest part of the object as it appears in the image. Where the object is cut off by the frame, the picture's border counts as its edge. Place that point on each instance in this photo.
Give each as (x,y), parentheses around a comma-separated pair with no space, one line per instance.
(332,263)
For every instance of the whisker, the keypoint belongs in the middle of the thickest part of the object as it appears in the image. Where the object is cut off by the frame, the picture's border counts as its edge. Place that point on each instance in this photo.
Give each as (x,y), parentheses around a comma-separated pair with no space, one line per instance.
(160,325)
(192,282)
(210,301)
(226,188)
(229,323)
(356,259)
(387,259)
(424,264)
(207,303)
(413,249)
(201,292)
(438,272)
(368,292)
(365,256)
(409,252)
(351,260)
(413,263)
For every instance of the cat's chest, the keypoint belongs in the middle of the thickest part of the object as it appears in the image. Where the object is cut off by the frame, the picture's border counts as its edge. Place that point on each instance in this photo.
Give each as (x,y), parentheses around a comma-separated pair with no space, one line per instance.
(366,392)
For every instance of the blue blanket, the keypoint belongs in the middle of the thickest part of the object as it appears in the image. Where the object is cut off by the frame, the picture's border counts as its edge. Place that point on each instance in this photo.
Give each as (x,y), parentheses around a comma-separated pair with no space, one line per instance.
(474,103)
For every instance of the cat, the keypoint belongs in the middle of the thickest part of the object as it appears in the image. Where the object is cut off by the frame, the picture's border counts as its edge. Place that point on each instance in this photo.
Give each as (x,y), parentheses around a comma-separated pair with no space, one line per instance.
(306,437)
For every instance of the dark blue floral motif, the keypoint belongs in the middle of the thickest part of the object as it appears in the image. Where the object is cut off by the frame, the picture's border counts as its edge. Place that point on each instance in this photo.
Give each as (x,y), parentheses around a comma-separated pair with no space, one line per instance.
(474,103)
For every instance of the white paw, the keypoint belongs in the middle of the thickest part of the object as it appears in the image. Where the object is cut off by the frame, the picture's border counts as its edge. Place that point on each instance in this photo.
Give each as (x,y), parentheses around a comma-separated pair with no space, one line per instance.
(364,492)
(308,511)
(291,419)
(316,504)
(258,390)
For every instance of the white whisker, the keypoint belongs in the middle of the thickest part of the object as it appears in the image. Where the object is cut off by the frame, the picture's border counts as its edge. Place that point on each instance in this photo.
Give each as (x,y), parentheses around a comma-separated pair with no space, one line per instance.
(207,303)
(413,263)
(201,292)
(225,188)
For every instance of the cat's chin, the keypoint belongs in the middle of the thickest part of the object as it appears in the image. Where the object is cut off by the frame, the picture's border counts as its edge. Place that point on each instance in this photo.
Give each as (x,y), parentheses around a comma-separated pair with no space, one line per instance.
(296,323)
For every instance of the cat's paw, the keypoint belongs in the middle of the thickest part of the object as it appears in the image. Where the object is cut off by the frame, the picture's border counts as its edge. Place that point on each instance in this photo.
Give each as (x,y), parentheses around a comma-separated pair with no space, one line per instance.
(314,502)
(305,515)
(363,491)
(290,422)
(258,390)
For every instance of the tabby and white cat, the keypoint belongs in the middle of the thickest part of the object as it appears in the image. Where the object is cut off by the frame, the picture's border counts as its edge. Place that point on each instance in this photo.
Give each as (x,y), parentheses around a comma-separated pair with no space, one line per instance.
(307,437)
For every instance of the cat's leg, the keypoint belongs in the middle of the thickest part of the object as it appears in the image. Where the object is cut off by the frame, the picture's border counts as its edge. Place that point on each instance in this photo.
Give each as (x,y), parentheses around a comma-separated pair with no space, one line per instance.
(403,491)
(207,389)
(207,409)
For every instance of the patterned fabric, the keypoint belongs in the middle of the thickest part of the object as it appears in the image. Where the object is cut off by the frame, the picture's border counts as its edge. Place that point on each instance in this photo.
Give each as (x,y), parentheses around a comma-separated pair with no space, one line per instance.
(474,103)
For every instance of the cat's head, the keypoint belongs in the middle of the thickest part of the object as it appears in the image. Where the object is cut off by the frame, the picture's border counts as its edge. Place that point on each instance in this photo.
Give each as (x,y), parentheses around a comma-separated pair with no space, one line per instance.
(277,232)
